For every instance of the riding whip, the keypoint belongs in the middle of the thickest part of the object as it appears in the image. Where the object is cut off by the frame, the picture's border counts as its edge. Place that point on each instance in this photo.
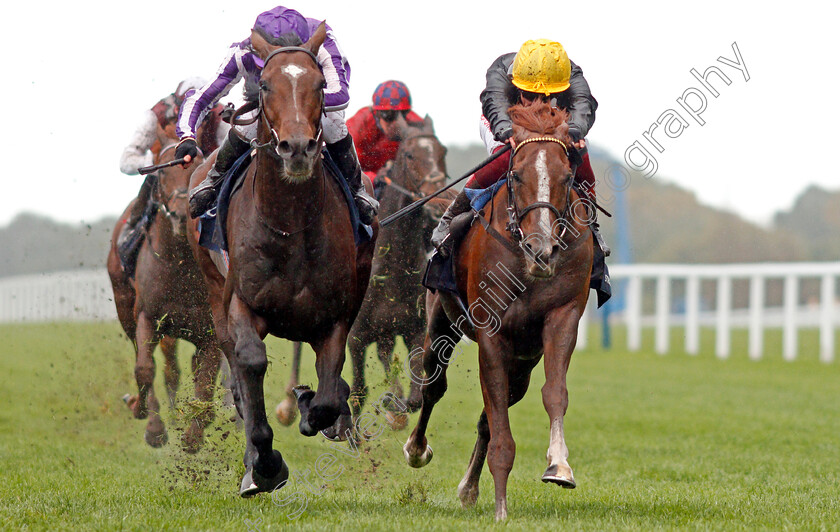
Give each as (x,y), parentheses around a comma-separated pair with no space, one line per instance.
(154,168)
(422,201)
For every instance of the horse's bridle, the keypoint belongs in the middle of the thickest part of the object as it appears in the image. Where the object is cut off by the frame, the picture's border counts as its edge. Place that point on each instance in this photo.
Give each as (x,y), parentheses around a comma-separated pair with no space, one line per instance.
(514,214)
(160,203)
(274,142)
(415,195)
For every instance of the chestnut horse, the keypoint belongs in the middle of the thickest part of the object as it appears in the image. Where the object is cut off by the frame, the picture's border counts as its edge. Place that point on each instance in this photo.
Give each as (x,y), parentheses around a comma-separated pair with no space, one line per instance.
(165,301)
(295,270)
(393,304)
(525,278)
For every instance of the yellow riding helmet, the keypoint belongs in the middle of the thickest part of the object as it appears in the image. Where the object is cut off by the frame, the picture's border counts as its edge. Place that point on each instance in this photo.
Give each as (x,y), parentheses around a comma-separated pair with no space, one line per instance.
(541,66)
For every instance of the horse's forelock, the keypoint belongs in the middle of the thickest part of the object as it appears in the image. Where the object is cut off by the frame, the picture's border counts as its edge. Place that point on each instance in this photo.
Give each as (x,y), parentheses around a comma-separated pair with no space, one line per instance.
(539,118)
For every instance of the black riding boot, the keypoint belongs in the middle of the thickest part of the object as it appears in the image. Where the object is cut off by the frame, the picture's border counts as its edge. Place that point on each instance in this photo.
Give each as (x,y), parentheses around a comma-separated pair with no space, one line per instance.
(137,209)
(344,154)
(596,230)
(459,205)
(203,196)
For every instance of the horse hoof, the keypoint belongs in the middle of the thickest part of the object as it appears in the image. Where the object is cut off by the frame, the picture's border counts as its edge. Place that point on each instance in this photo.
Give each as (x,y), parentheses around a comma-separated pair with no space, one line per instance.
(563,477)
(156,439)
(467,494)
(397,421)
(192,439)
(253,482)
(418,461)
(286,411)
(131,402)
(340,430)
(248,488)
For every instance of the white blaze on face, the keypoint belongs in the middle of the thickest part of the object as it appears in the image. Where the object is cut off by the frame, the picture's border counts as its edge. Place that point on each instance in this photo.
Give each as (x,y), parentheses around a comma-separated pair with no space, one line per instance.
(429,146)
(294,72)
(543,189)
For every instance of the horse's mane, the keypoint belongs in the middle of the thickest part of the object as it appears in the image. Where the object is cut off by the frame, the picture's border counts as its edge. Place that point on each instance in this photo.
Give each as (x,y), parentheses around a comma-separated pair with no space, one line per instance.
(539,118)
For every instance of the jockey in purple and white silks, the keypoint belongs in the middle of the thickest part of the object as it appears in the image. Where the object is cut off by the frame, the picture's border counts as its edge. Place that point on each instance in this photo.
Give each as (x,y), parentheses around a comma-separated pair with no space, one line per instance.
(144,144)
(241,62)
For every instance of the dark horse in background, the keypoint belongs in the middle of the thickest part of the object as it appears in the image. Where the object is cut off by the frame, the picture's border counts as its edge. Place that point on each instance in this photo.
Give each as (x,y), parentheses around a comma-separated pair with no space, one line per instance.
(393,304)
(537,244)
(295,270)
(165,301)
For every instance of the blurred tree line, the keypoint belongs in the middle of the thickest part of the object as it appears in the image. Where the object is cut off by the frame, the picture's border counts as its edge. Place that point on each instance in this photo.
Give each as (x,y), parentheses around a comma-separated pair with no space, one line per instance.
(667,224)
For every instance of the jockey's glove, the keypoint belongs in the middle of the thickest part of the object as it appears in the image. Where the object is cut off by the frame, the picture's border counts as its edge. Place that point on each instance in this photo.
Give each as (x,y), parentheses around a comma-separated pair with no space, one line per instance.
(186,147)
(504,134)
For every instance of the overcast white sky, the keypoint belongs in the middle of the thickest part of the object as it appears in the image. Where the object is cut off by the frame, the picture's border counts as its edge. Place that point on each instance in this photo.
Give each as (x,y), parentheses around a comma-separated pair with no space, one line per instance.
(78,75)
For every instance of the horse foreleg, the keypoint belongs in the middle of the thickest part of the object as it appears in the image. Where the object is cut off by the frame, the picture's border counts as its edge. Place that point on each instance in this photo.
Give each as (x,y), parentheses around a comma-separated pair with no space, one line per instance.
(266,471)
(287,409)
(559,338)
(494,361)
(359,391)
(329,403)
(171,371)
(415,393)
(205,370)
(145,404)
(520,377)
(437,352)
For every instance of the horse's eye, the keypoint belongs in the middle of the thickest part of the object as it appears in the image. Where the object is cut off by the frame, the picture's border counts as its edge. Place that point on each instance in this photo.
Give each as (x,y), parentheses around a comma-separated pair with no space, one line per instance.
(263,86)
(323,84)
(514,176)
(409,156)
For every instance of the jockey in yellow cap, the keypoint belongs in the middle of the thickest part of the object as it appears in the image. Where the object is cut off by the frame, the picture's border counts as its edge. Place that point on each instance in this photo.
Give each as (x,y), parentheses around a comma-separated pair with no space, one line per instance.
(541,69)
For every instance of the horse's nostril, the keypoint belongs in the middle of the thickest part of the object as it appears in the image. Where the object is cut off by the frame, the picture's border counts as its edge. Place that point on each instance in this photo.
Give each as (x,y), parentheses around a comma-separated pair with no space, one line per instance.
(311,148)
(284,148)
(555,251)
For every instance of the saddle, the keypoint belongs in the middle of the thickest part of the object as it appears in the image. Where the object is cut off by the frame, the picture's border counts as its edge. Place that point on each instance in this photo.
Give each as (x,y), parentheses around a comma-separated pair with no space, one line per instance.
(131,239)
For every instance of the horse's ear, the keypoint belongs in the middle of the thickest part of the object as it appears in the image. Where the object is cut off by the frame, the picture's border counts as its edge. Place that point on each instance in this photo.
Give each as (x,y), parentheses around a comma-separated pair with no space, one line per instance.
(428,125)
(317,40)
(260,45)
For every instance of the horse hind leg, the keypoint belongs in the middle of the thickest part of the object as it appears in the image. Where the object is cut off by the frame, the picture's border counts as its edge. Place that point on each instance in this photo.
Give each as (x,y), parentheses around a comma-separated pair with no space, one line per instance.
(437,353)
(205,370)
(171,370)
(286,410)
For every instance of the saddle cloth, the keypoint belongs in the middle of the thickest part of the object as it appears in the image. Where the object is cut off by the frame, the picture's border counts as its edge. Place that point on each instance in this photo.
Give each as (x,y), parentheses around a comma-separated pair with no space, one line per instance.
(212,224)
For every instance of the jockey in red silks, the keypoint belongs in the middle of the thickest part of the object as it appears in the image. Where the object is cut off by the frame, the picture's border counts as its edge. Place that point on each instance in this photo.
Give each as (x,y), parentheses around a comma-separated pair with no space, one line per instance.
(278,26)
(541,69)
(376,128)
(144,144)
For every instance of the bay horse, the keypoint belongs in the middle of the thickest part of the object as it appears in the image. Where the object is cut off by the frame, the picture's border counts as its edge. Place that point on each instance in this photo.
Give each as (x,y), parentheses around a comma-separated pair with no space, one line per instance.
(393,305)
(294,268)
(525,278)
(166,301)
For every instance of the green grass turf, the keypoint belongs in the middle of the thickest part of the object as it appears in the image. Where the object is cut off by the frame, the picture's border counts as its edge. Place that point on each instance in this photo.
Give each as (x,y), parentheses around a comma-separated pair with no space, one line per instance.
(657,442)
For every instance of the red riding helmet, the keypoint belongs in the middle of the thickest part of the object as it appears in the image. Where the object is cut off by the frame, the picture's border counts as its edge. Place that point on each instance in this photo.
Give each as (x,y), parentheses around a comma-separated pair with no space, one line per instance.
(391,96)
